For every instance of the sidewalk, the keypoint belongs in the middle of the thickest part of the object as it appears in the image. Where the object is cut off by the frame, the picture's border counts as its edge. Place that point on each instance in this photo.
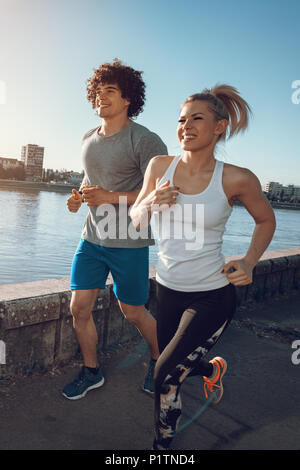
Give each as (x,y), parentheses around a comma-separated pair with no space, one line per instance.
(260,408)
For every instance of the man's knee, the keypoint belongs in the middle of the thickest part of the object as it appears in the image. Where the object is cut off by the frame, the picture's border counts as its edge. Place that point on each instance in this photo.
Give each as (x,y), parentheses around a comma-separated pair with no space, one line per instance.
(79,311)
(133,313)
(81,306)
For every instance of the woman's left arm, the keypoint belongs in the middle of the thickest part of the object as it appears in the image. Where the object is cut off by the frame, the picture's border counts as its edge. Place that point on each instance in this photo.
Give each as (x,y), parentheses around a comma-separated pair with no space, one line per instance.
(250,194)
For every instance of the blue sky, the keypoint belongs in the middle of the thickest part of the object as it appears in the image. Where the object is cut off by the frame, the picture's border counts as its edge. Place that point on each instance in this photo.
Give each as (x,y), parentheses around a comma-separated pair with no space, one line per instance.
(48,49)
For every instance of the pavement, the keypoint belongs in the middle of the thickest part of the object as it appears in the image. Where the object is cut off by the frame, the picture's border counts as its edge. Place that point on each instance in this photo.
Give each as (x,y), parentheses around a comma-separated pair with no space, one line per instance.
(259,410)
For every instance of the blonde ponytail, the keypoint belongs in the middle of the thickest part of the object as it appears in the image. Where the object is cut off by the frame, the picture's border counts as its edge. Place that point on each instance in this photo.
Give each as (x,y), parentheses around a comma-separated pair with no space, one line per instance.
(226,103)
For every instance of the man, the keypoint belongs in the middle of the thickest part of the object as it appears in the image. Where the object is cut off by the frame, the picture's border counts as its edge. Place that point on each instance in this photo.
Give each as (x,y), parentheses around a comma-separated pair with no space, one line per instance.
(115,156)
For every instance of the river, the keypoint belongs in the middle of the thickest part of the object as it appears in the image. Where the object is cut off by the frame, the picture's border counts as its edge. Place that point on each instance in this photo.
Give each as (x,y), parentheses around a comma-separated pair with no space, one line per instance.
(38,235)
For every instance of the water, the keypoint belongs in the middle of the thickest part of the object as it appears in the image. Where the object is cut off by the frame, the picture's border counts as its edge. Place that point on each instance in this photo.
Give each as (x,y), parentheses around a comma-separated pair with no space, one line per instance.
(38,235)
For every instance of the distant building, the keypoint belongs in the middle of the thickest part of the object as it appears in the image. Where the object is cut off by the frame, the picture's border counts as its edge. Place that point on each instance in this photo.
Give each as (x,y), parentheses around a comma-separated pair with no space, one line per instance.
(277,190)
(10,163)
(297,192)
(33,157)
(272,188)
(75,178)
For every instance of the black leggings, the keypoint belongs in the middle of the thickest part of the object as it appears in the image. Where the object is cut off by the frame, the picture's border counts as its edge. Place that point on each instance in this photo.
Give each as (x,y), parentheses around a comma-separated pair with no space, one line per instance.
(188,325)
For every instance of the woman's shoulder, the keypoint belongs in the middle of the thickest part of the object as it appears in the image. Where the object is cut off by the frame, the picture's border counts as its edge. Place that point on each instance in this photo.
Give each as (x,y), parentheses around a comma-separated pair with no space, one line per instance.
(160,163)
(158,166)
(237,178)
(237,173)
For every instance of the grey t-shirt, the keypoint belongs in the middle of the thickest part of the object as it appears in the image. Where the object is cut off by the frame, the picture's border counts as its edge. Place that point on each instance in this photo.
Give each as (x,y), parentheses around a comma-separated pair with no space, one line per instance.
(118,163)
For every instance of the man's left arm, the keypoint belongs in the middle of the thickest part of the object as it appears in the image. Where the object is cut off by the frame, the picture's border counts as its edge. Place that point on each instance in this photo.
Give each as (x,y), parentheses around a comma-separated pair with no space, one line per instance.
(150,145)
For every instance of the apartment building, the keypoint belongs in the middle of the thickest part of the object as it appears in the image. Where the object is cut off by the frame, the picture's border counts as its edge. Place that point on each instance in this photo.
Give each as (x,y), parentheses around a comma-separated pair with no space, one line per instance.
(33,156)
(275,189)
(8,163)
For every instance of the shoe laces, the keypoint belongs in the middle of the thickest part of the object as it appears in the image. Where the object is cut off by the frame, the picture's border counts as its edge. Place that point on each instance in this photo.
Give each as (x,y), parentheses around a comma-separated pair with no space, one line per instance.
(80,379)
(209,386)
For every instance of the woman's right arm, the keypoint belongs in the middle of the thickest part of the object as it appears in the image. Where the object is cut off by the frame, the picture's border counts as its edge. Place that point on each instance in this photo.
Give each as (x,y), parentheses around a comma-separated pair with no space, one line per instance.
(150,198)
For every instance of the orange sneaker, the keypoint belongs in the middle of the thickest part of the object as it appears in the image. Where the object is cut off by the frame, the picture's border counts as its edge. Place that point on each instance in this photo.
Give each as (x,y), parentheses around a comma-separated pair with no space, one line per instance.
(213,384)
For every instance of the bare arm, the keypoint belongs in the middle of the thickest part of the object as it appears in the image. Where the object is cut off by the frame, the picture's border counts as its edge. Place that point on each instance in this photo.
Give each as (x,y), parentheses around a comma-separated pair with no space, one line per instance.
(249,193)
(95,196)
(140,209)
(151,198)
(74,202)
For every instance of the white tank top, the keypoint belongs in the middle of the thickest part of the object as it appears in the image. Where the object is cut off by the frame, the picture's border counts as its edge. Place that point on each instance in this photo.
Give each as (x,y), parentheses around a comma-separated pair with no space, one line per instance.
(189,236)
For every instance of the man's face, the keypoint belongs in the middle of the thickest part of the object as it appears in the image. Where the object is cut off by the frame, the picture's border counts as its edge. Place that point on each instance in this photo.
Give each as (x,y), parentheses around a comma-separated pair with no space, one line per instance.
(109,101)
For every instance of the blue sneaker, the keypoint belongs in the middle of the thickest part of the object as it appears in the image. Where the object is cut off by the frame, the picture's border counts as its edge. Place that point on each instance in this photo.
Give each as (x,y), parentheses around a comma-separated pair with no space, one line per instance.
(148,386)
(82,384)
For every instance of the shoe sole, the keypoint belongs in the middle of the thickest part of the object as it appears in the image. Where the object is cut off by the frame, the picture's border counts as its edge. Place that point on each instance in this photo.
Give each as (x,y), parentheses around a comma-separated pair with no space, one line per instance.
(147,391)
(224,369)
(77,397)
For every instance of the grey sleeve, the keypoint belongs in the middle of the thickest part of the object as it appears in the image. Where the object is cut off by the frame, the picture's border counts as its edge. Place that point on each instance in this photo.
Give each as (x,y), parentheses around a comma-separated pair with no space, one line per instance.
(148,147)
(83,182)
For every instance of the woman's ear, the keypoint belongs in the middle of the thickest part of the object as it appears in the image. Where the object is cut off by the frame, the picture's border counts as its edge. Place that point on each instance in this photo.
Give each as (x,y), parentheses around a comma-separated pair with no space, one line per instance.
(221,126)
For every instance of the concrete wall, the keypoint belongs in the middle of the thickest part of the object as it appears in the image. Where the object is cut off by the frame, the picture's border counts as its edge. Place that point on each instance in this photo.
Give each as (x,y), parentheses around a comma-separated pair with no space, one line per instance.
(36,329)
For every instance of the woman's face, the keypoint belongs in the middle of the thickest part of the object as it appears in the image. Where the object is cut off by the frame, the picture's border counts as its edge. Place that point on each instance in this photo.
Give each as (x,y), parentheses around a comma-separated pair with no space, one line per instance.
(197,127)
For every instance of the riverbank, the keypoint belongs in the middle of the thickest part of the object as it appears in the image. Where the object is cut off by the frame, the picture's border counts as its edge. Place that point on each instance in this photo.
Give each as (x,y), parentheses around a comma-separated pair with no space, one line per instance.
(279,205)
(285,205)
(40,186)
(67,188)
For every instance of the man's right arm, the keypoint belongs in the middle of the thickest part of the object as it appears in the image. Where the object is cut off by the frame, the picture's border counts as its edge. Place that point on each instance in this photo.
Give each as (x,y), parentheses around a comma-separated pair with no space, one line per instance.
(74,202)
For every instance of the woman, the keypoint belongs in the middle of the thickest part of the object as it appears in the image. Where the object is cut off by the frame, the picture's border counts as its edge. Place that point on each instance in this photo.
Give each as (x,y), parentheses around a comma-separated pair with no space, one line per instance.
(192,197)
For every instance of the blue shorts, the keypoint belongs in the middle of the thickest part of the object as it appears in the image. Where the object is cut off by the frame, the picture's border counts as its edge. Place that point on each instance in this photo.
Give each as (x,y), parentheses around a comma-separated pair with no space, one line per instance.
(129,268)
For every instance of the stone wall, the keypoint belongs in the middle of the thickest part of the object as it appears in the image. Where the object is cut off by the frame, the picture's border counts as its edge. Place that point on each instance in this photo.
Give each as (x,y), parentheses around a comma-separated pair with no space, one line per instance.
(36,329)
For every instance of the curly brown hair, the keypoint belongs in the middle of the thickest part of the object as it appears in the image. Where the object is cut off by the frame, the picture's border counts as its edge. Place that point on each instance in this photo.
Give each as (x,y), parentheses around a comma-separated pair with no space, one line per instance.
(129,81)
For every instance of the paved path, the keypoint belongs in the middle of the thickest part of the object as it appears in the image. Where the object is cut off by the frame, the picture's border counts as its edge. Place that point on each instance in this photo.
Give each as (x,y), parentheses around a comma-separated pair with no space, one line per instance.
(260,408)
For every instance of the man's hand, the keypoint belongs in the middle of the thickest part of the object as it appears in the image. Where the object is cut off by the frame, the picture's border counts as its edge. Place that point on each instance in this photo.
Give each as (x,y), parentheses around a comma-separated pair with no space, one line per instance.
(74,202)
(95,195)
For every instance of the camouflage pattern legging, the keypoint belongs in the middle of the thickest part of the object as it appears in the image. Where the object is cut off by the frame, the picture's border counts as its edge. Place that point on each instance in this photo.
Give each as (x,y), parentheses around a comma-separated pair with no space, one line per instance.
(188,325)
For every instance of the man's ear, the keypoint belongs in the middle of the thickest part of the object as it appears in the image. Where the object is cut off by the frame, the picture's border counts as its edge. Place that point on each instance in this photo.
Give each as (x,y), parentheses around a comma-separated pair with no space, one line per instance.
(127,101)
